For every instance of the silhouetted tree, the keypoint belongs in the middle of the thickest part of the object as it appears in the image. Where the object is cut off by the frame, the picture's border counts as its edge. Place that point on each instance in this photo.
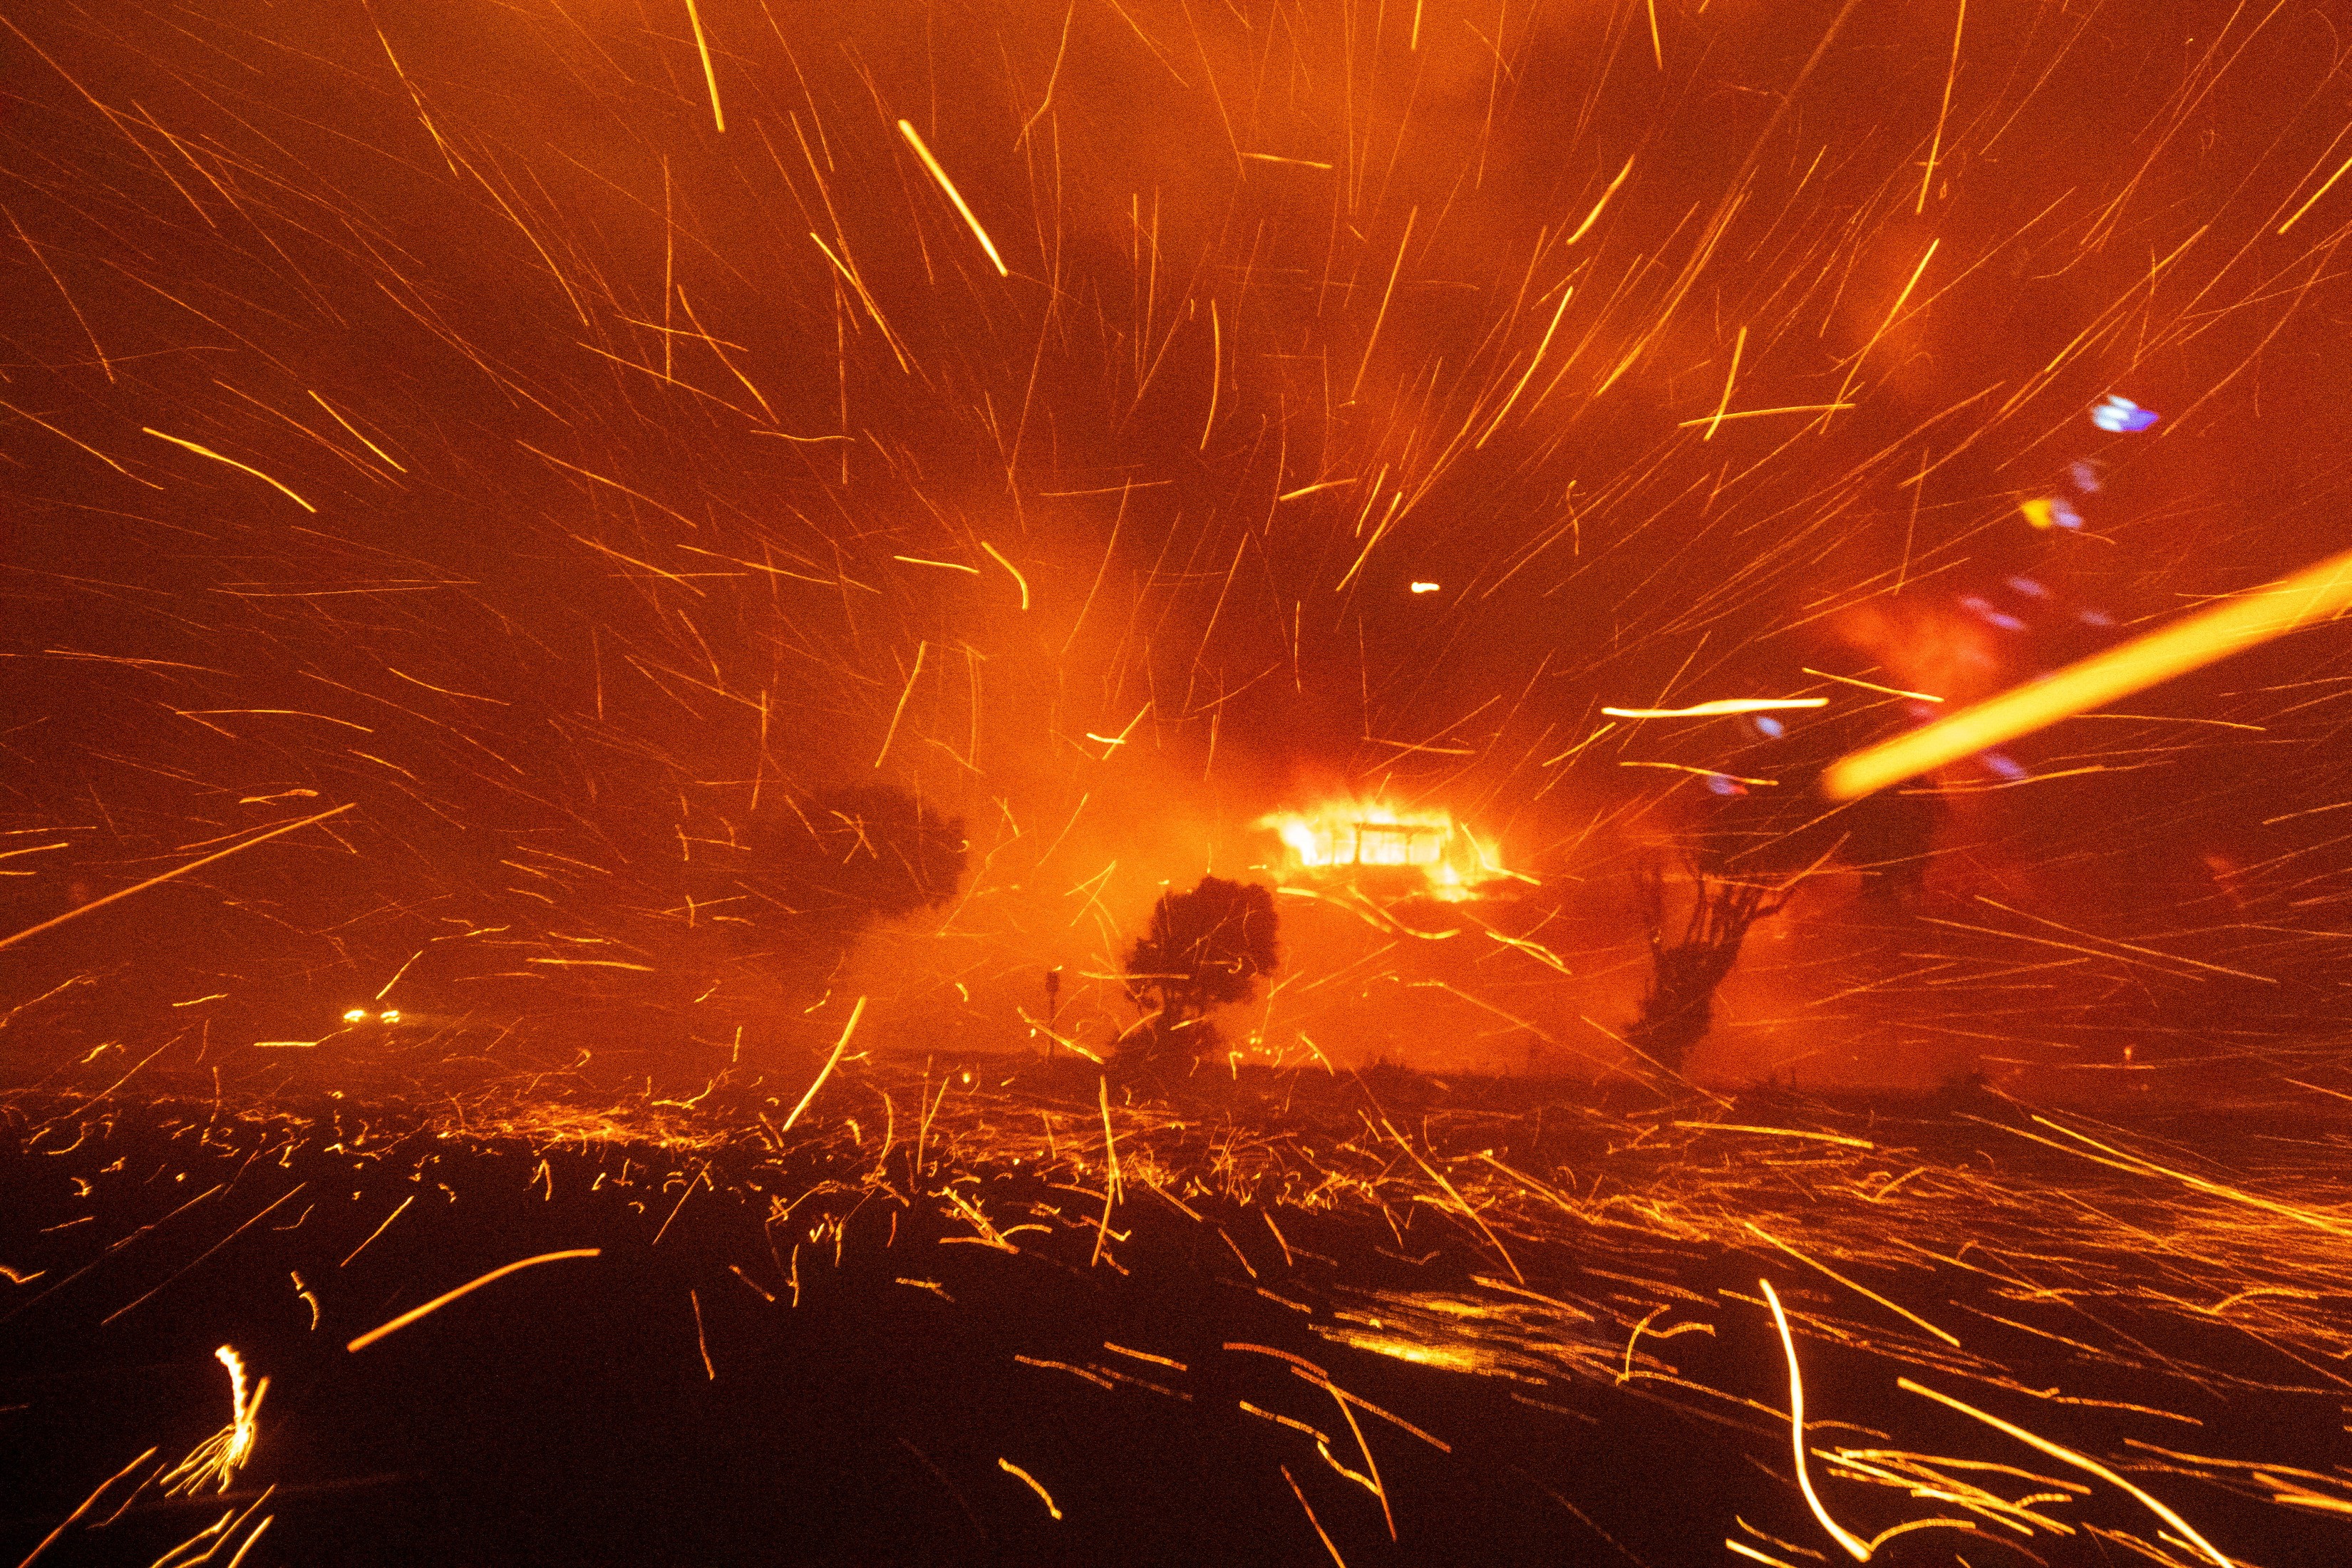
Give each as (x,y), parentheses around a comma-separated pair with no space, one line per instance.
(1679,1006)
(1204,947)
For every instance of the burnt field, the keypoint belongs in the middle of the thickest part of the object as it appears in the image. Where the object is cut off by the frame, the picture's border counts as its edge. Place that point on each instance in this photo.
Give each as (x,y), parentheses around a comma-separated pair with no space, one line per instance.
(988,1311)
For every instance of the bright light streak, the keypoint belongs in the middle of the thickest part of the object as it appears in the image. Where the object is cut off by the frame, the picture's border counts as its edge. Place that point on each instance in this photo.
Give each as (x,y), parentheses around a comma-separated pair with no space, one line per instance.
(708,75)
(1594,216)
(915,141)
(1720,707)
(442,1301)
(232,462)
(2060,1451)
(167,876)
(241,1413)
(2316,195)
(1737,349)
(1859,1548)
(1426,587)
(900,711)
(2240,622)
(1009,1468)
(1869,686)
(838,1047)
(997,556)
(1856,1289)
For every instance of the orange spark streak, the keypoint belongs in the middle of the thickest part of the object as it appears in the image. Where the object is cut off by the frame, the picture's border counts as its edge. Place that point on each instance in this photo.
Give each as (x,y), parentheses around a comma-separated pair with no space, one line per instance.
(1009,1468)
(440,1301)
(1736,349)
(1774,1131)
(1111,1187)
(85,445)
(1712,420)
(176,871)
(1594,216)
(1936,145)
(232,462)
(354,429)
(2060,1451)
(103,362)
(88,1502)
(891,734)
(1323,1535)
(2239,622)
(1866,685)
(915,139)
(701,1342)
(2316,195)
(1899,300)
(838,1047)
(708,75)
(1853,1545)
(997,556)
(379,1230)
(1458,1200)
(1373,342)
(1216,372)
(1720,707)
(1857,1289)
(1566,295)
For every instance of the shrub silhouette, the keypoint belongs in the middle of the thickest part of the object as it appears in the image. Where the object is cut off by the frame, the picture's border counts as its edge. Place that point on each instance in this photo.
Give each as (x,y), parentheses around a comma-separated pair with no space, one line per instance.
(1679,1006)
(1203,947)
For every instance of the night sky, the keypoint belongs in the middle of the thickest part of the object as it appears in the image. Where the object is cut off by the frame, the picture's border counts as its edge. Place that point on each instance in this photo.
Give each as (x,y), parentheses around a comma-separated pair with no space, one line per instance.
(588,441)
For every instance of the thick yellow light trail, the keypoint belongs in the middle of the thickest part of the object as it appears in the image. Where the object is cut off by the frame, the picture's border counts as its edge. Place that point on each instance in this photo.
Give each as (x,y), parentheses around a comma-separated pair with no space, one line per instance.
(2319,593)
(915,139)
(442,1301)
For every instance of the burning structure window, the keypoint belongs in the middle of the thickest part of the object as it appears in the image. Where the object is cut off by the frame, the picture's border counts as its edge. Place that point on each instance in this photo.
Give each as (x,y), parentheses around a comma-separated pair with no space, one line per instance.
(1393,844)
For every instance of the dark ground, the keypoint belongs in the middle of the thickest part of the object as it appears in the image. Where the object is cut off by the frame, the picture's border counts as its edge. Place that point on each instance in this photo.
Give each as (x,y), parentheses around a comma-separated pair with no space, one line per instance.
(567,1415)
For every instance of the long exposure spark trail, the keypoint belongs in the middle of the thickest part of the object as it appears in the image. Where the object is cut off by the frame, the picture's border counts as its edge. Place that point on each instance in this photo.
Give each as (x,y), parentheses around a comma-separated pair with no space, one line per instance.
(434,1305)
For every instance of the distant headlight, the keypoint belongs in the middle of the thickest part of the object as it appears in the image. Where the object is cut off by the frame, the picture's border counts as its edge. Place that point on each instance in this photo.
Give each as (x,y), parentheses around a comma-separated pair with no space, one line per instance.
(389,1015)
(355,1015)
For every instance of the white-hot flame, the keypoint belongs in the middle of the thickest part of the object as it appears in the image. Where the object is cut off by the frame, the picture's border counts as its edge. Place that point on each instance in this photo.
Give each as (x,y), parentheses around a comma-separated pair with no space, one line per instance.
(1346,834)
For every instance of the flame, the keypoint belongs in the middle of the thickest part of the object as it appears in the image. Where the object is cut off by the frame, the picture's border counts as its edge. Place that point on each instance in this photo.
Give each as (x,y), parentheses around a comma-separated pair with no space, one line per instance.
(1344,834)
(218,1458)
